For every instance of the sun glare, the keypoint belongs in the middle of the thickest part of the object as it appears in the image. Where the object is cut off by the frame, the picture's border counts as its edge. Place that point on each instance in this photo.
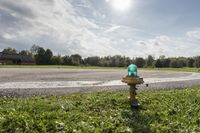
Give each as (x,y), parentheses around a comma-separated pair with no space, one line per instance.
(121,5)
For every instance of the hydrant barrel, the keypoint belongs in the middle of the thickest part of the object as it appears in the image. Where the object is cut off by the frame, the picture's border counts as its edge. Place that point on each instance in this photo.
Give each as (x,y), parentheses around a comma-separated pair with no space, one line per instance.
(132,79)
(132,70)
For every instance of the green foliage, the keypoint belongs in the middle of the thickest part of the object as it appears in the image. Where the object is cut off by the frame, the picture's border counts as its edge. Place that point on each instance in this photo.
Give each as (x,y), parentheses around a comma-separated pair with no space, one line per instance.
(66,60)
(93,61)
(61,66)
(46,57)
(10,50)
(39,56)
(56,60)
(34,49)
(165,62)
(190,62)
(163,111)
(76,60)
(185,69)
(25,53)
(149,61)
(43,57)
(197,62)
(174,63)
(139,62)
(178,62)
(157,63)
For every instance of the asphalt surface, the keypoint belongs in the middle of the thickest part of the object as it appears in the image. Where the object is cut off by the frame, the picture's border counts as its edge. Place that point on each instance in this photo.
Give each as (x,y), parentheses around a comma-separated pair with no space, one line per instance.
(29,81)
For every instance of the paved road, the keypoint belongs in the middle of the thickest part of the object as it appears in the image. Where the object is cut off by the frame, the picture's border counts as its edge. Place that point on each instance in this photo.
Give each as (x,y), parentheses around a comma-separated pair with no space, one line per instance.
(28,81)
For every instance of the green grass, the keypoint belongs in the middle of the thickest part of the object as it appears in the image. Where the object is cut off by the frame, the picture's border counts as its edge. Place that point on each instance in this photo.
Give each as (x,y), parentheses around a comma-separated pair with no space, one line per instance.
(186,69)
(95,67)
(163,111)
(58,66)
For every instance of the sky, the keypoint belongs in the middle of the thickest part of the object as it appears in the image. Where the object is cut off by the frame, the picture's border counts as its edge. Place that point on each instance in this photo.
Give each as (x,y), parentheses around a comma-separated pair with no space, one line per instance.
(134,28)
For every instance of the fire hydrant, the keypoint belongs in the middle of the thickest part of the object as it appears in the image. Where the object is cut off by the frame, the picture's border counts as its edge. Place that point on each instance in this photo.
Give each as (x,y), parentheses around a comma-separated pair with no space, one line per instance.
(132,79)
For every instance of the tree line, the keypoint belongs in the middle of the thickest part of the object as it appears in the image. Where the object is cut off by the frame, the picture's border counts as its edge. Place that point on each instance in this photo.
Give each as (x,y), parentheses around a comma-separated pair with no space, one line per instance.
(44,56)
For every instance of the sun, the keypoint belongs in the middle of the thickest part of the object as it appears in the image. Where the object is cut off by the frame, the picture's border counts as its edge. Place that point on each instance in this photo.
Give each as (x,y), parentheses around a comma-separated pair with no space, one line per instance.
(121,5)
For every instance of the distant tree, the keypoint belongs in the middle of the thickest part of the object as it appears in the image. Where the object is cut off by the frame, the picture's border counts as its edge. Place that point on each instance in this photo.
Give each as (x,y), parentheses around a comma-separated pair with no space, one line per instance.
(25,53)
(149,61)
(47,56)
(76,59)
(67,60)
(105,61)
(122,61)
(165,62)
(140,62)
(113,61)
(127,61)
(10,50)
(117,61)
(157,63)
(190,62)
(197,61)
(161,57)
(174,63)
(34,49)
(181,62)
(92,61)
(39,56)
(56,60)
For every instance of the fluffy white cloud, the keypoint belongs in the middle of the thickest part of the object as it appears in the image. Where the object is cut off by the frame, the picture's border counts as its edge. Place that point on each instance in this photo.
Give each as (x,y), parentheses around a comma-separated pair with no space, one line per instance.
(56,24)
(50,23)
(156,46)
(164,45)
(194,34)
(112,29)
(8,36)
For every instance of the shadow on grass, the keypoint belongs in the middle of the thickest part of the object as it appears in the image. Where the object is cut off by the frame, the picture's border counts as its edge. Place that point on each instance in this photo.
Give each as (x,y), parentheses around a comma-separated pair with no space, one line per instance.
(137,120)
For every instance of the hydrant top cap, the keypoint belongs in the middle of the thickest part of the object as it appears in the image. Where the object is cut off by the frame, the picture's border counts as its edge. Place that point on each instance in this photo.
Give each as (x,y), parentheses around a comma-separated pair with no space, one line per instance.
(132,65)
(132,70)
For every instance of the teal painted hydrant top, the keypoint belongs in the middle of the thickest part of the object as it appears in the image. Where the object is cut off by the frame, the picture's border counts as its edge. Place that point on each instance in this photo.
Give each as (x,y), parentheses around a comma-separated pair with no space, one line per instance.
(132,70)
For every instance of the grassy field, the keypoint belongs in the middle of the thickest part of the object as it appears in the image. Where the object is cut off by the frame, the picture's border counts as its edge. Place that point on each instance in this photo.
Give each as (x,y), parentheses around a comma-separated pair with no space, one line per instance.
(186,69)
(58,66)
(162,111)
(94,67)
